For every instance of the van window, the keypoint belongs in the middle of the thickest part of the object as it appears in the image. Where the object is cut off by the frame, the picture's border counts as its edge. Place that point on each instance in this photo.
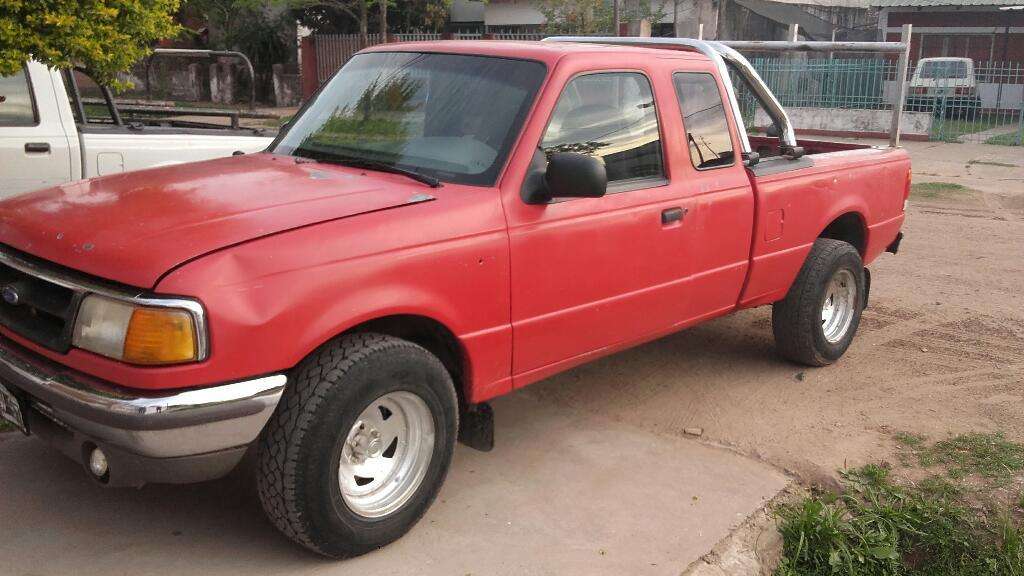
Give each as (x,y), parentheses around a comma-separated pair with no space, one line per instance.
(707,131)
(16,105)
(609,115)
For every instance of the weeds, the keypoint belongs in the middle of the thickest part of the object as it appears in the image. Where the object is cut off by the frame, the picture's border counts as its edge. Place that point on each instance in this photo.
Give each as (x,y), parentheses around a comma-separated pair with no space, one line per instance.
(5,426)
(935,189)
(881,527)
(908,439)
(990,163)
(990,456)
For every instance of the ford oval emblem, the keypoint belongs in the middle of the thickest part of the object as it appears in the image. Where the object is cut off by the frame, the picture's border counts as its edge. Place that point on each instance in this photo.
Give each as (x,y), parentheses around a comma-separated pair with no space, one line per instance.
(11,296)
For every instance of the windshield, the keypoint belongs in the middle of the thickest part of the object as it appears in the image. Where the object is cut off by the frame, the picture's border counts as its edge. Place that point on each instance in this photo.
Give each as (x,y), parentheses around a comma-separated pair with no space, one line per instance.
(449,116)
(944,69)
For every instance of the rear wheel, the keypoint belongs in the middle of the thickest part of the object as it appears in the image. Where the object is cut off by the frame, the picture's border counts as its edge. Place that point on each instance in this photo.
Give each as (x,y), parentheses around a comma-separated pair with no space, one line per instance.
(359,446)
(818,319)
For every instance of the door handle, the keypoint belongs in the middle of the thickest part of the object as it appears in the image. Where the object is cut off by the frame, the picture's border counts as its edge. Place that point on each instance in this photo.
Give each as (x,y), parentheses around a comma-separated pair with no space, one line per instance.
(670,215)
(37,147)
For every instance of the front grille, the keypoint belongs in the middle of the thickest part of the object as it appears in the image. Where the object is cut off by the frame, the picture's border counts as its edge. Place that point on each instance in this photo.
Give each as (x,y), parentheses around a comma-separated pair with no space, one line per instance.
(37,309)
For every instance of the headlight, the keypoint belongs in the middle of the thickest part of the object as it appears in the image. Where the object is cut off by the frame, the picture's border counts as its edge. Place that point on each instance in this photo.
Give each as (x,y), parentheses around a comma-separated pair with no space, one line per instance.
(137,334)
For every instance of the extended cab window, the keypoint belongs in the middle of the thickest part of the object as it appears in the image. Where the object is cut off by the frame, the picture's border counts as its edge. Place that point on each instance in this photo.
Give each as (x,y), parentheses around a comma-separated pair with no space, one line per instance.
(610,115)
(16,106)
(707,131)
(89,94)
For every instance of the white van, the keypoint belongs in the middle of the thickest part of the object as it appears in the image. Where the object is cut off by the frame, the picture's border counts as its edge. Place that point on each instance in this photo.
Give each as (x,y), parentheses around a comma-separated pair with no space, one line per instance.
(944,85)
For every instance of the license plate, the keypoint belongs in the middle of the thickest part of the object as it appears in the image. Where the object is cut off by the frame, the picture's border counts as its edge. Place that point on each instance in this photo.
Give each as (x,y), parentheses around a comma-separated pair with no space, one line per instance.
(11,409)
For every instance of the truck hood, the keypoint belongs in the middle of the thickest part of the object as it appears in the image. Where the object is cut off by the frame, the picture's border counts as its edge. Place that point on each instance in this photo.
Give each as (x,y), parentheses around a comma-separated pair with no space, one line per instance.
(133,228)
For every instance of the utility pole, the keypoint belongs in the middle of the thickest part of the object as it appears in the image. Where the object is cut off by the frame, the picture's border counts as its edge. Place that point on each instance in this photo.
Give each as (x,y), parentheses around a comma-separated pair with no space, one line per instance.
(616,17)
(383,21)
(675,18)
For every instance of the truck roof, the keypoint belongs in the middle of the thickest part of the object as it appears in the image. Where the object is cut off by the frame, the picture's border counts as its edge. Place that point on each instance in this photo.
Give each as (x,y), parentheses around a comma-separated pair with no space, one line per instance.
(548,52)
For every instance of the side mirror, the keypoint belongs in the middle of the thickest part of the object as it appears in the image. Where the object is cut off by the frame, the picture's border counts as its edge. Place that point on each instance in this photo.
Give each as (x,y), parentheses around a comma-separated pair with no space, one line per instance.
(568,175)
(573,175)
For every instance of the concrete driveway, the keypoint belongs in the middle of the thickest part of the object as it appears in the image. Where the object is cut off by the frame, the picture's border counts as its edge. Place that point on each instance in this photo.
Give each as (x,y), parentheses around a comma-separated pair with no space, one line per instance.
(562,493)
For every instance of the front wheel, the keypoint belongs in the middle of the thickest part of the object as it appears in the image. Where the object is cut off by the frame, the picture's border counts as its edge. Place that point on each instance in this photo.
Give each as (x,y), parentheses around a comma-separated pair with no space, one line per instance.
(359,445)
(819,316)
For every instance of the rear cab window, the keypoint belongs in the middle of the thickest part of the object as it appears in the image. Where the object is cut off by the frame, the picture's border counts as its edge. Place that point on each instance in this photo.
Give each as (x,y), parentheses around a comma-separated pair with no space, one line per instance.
(704,120)
(611,116)
(17,104)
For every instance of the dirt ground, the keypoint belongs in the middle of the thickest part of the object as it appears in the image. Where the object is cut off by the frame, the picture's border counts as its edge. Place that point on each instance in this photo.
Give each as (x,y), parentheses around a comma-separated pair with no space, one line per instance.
(940,349)
(593,472)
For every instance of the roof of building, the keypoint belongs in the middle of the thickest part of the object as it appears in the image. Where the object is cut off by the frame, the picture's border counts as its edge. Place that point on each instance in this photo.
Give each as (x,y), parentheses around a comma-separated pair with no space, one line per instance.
(924,3)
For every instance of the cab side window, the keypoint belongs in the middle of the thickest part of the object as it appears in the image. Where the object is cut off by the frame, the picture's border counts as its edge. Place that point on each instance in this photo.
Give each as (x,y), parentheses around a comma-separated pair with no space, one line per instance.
(707,131)
(16,105)
(609,115)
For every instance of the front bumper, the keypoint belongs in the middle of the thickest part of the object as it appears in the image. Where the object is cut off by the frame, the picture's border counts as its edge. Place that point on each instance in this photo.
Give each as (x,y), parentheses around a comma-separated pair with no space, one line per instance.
(177,437)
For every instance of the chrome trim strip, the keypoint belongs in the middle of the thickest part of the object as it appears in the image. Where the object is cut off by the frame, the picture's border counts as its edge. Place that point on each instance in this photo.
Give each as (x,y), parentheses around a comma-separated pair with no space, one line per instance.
(85,286)
(166,424)
(182,401)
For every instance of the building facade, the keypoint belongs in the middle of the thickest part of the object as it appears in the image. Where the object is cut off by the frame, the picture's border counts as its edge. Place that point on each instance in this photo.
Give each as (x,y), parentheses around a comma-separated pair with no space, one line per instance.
(983,30)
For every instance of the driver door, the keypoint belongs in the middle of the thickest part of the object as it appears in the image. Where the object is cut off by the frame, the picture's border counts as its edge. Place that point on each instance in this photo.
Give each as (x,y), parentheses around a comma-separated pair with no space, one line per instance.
(590,273)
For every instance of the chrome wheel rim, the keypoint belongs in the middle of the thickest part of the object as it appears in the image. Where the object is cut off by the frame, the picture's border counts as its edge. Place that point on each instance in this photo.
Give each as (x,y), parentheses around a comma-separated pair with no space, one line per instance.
(839,306)
(386,454)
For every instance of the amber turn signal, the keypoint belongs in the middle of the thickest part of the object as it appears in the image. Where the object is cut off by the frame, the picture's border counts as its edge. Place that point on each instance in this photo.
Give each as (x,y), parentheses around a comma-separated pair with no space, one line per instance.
(159,336)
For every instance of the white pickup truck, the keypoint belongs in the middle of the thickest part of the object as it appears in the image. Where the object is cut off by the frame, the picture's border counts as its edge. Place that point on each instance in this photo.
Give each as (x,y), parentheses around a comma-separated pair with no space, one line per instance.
(50,134)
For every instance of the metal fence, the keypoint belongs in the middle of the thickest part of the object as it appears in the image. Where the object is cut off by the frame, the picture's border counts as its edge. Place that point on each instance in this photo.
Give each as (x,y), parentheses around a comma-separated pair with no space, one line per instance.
(833,95)
(982,103)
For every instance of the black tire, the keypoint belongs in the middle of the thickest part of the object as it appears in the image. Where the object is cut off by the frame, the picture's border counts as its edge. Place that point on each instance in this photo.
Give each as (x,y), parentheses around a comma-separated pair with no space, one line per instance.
(300,449)
(797,319)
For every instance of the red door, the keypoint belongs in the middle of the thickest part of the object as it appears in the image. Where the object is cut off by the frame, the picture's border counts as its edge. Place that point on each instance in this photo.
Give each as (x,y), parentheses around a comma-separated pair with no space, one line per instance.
(590,273)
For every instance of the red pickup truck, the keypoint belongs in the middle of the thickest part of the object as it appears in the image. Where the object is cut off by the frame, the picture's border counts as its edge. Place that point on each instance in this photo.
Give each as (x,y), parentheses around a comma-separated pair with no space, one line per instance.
(443,223)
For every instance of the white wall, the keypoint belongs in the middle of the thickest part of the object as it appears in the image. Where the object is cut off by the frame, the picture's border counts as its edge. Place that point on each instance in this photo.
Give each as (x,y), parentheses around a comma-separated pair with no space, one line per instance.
(512,13)
(468,11)
(522,12)
(851,120)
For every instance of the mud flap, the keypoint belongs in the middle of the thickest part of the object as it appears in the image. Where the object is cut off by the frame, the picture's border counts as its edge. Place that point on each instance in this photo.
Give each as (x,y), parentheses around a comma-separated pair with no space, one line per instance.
(867,287)
(476,427)
(895,246)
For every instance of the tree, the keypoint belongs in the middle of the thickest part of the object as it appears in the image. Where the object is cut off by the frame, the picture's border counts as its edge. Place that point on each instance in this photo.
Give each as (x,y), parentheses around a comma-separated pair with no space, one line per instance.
(357,10)
(594,16)
(103,36)
(261,30)
(346,16)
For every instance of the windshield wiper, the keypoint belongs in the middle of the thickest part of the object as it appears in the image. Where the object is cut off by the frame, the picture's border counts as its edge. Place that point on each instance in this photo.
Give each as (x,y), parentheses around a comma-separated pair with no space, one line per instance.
(369,164)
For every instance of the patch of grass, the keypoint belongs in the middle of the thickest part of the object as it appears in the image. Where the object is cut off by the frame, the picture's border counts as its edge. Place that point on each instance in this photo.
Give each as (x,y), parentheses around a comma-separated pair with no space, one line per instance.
(909,439)
(990,456)
(950,129)
(948,524)
(1010,139)
(935,189)
(939,486)
(880,528)
(990,163)
(6,426)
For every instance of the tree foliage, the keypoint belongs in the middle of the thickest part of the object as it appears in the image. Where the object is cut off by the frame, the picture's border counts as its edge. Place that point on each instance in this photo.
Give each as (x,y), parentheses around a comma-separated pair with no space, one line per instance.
(103,36)
(595,16)
(346,16)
